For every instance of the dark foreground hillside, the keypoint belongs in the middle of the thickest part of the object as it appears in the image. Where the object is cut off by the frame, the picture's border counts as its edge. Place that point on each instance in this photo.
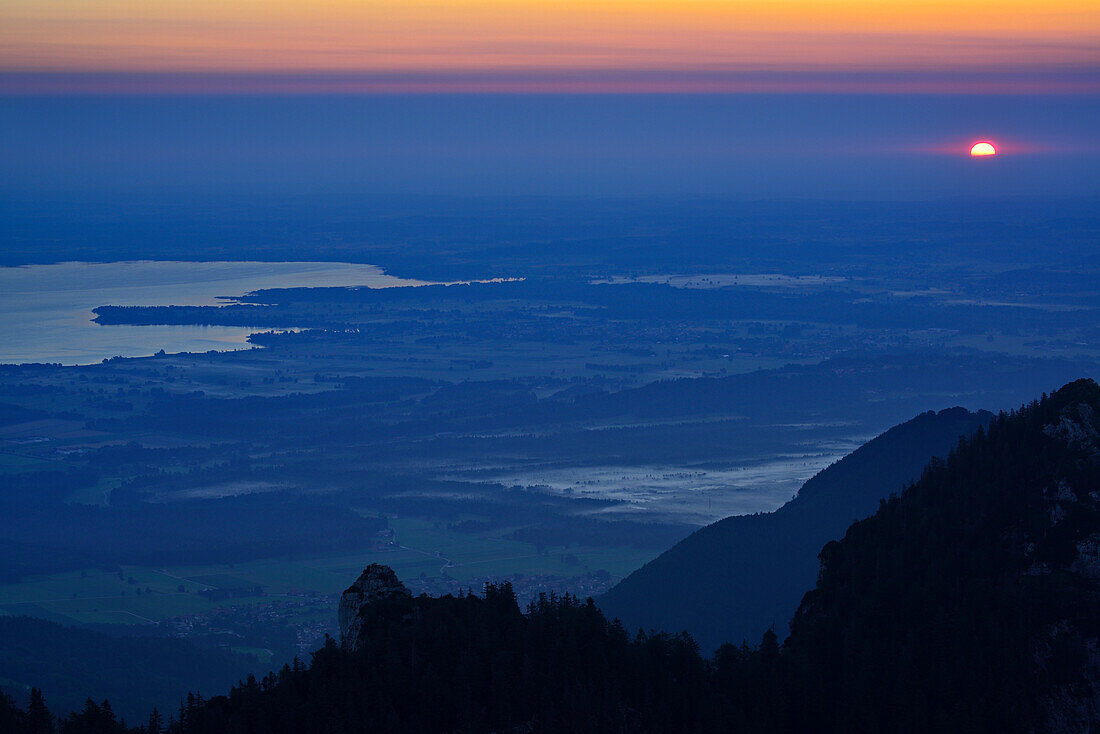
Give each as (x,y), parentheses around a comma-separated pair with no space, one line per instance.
(973,600)
(969,604)
(737,577)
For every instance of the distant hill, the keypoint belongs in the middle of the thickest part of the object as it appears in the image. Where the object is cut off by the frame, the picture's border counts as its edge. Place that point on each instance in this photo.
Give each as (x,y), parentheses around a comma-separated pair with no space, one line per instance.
(737,577)
(71,664)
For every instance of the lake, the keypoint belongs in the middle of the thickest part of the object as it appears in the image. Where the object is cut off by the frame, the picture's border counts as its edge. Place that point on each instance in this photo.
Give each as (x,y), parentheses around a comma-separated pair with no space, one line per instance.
(46,310)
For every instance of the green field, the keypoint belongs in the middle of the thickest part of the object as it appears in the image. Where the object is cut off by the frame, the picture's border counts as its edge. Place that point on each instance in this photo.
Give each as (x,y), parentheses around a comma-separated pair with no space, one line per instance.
(18,462)
(262,654)
(96,596)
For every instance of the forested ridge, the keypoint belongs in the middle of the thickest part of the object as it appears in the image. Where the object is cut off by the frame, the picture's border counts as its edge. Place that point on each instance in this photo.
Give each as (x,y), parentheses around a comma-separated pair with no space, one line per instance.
(735,578)
(971,602)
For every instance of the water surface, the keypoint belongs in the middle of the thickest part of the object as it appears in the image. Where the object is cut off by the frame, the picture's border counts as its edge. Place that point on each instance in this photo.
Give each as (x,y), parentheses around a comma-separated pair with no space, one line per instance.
(46,310)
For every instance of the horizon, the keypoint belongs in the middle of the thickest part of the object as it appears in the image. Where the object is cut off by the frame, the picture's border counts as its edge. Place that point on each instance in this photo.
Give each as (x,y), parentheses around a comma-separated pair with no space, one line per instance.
(729,146)
(764,99)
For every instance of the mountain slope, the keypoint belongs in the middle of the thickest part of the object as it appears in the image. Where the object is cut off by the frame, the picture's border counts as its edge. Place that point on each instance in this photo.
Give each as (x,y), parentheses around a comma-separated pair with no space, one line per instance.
(972,602)
(739,576)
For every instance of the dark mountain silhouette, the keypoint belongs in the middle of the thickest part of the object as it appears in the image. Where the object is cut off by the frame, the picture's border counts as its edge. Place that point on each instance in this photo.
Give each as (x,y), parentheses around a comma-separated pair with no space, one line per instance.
(734,579)
(972,602)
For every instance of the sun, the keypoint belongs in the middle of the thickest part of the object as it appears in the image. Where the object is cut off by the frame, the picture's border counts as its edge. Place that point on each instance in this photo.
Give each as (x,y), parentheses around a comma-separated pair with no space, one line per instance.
(982,148)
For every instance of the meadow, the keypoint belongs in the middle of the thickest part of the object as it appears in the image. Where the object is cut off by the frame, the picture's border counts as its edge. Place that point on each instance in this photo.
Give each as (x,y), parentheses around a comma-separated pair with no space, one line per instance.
(144,595)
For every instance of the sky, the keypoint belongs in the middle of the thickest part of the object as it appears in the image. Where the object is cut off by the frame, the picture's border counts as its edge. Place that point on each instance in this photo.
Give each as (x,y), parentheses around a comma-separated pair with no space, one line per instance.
(748,99)
(755,146)
(968,46)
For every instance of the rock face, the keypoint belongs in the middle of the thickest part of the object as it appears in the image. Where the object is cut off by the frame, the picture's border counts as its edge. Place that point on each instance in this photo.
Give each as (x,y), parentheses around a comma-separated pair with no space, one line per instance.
(378,586)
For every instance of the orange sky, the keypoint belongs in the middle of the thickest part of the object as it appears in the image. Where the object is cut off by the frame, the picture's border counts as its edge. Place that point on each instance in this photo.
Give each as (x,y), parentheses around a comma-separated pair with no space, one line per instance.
(541,37)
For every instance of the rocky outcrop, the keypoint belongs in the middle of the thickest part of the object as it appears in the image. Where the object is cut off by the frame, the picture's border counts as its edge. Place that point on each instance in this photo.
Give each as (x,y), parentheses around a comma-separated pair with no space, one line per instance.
(376,590)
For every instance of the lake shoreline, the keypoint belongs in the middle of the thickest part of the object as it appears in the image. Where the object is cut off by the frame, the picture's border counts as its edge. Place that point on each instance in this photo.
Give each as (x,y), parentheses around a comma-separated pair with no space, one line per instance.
(46,311)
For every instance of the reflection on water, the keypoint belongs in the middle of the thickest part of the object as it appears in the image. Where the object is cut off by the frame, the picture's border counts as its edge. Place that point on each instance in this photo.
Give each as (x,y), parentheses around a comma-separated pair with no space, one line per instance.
(684,494)
(46,310)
